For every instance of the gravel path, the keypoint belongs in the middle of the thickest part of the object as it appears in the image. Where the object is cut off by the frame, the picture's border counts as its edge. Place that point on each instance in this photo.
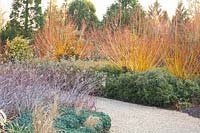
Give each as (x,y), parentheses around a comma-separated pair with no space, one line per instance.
(132,118)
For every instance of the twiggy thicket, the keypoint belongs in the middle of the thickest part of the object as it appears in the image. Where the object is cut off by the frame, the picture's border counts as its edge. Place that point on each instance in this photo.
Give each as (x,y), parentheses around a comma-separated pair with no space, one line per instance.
(24,86)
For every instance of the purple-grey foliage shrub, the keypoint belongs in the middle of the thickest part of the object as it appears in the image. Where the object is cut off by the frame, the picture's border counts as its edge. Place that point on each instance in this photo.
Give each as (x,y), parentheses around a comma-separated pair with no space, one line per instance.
(25,85)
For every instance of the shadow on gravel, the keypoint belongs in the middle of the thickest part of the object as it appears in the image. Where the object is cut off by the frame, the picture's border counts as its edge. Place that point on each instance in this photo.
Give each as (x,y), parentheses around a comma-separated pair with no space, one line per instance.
(195,112)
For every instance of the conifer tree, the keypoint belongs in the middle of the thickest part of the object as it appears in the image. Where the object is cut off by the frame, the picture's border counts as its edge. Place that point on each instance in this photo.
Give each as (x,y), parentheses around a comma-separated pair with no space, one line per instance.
(120,13)
(83,11)
(179,20)
(155,11)
(26,17)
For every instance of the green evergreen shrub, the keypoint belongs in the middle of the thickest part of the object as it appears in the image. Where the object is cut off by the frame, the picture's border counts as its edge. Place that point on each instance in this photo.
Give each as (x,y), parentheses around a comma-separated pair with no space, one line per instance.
(18,50)
(198,81)
(154,87)
(68,121)
(106,121)
(87,130)
(111,70)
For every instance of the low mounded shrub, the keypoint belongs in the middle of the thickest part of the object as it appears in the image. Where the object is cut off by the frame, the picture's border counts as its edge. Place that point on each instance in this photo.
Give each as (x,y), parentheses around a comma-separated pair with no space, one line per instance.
(111,70)
(18,50)
(154,87)
(68,121)
(100,66)
(198,81)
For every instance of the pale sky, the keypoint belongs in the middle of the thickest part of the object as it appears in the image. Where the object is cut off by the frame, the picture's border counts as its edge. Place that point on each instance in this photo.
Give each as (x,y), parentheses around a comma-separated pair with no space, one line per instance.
(102,5)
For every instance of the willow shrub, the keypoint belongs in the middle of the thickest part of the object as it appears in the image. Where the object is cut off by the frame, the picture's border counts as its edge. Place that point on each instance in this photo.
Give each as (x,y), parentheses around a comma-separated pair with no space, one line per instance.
(126,50)
(182,60)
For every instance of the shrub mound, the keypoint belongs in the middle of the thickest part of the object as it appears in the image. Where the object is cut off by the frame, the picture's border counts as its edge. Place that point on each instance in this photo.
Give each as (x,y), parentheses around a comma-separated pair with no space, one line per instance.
(68,120)
(18,50)
(154,87)
(71,120)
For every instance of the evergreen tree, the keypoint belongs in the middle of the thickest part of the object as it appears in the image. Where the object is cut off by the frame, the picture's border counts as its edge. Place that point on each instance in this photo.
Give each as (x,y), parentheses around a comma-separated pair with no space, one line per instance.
(158,20)
(156,14)
(120,13)
(83,11)
(10,32)
(181,15)
(179,20)
(38,15)
(14,24)
(26,17)
(164,17)
(155,11)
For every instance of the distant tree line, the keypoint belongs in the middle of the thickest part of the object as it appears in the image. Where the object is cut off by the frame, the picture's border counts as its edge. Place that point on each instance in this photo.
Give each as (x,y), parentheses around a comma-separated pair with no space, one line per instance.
(27,17)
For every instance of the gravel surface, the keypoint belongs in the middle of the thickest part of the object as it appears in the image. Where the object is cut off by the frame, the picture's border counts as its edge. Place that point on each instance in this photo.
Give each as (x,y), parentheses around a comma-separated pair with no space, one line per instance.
(132,118)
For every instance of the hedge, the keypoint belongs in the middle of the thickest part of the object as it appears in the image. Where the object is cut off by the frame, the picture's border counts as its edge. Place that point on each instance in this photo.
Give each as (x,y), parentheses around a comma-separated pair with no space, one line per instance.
(154,88)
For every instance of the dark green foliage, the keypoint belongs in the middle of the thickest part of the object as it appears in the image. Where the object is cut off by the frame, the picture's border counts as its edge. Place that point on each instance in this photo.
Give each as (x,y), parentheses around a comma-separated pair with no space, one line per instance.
(187,90)
(143,88)
(120,13)
(26,17)
(38,15)
(111,70)
(83,11)
(198,81)
(10,31)
(154,88)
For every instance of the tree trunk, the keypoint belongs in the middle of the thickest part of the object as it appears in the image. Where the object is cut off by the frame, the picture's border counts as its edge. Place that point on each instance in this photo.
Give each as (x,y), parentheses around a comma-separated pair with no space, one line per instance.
(26,18)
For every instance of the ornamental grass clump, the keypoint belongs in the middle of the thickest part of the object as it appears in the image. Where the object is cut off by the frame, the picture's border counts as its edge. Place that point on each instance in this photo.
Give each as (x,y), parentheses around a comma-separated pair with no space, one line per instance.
(44,116)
